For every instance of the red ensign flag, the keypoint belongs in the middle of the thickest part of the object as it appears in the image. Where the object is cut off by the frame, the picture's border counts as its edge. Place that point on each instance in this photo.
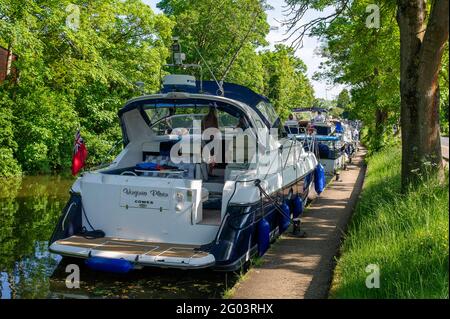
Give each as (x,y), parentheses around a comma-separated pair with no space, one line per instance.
(79,154)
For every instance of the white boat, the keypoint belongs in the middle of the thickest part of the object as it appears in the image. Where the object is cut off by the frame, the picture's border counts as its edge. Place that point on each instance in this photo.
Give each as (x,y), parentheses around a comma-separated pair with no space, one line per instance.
(171,200)
(333,139)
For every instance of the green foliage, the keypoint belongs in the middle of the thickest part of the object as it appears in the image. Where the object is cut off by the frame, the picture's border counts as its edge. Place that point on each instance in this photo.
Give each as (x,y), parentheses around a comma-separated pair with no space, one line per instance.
(336,112)
(285,82)
(367,60)
(278,74)
(343,100)
(78,77)
(217,30)
(370,66)
(45,122)
(406,235)
(74,78)
(8,164)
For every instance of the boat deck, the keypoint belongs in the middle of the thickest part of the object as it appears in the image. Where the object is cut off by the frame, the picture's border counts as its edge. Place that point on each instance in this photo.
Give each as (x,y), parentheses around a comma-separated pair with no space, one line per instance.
(131,247)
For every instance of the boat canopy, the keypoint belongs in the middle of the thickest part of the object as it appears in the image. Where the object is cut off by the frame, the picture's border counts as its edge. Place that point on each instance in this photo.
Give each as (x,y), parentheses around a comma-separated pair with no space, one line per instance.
(309,109)
(319,138)
(259,103)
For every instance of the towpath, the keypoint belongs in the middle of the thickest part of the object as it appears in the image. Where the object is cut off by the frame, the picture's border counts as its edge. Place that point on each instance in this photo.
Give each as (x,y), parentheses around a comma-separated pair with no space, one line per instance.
(303,267)
(444,145)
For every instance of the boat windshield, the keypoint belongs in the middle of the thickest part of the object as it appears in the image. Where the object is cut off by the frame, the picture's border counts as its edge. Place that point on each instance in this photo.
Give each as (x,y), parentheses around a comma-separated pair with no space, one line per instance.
(267,111)
(304,116)
(181,119)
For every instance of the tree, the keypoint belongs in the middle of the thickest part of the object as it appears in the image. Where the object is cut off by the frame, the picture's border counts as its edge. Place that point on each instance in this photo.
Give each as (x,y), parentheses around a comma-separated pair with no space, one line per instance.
(343,99)
(422,42)
(323,103)
(75,77)
(224,33)
(369,66)
(285,80)
(228,39)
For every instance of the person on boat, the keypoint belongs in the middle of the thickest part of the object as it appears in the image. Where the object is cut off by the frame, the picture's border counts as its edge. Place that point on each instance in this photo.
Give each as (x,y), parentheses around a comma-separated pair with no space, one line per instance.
(168,121)
(291,125)
(210,121)
(291,121)
(355,134)
(242,123)
(319,118)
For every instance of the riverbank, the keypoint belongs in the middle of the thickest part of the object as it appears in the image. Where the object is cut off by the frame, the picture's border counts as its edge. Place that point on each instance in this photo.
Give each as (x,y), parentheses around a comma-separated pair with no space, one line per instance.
(405,236)
(302,267)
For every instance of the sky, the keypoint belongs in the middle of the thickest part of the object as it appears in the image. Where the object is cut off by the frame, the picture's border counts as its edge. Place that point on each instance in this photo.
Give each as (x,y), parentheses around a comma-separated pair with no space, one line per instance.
(306,53)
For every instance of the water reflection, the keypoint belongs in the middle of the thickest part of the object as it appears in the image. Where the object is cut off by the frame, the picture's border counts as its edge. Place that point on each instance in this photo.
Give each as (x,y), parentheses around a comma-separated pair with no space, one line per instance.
(29,210)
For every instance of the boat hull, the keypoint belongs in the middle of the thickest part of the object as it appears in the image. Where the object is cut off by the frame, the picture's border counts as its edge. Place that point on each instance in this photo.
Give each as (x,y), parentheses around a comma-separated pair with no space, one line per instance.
(235,244)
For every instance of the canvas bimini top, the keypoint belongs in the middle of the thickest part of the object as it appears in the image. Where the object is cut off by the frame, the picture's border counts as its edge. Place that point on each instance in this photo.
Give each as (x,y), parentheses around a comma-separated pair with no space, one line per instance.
(259,103)
(309,109)
(319,138)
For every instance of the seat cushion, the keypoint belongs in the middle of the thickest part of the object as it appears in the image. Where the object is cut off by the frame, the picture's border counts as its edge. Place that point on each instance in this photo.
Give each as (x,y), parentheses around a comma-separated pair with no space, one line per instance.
(205,195)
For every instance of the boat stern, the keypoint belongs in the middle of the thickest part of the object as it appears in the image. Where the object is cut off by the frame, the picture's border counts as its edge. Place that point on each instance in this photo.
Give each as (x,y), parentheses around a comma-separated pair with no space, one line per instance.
(139,253)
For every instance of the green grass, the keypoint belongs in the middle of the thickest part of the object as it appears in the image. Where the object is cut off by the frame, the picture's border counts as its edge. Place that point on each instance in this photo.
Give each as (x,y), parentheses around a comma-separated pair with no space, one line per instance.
(406,235)
(239,276)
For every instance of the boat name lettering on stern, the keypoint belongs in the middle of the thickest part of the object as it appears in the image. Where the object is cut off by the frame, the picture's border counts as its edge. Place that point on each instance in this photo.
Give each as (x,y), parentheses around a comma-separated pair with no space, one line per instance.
(137,193)
(134,193)
(143,197)
(158,193)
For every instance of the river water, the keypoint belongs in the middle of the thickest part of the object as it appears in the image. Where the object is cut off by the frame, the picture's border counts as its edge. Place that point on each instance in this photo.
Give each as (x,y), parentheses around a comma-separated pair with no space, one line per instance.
(29,210)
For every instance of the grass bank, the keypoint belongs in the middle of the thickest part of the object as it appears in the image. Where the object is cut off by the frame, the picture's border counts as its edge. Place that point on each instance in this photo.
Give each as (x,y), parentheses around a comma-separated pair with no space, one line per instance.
(406,236)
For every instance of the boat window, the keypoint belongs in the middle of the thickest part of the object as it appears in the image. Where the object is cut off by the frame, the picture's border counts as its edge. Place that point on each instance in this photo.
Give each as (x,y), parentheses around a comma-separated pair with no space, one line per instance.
(180,124)
(260,124)
(267,111)
(282,132)
(154,113)
(273,116)
(227,120)
(304,116)
(180,118)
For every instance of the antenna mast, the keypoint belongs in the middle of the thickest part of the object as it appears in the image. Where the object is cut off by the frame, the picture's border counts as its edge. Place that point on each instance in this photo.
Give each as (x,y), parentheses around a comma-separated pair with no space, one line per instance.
(178,58)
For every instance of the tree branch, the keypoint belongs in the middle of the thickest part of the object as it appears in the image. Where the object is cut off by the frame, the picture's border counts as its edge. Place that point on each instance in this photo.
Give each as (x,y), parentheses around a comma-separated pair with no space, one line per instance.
(436,33)
(299,31)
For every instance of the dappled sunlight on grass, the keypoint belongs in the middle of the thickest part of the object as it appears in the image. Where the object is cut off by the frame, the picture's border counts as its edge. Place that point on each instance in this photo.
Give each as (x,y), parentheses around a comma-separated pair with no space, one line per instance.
(406,235)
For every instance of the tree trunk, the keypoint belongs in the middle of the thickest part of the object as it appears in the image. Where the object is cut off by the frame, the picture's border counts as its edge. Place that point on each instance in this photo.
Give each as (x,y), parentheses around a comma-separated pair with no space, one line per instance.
(380,121)
(421,49)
